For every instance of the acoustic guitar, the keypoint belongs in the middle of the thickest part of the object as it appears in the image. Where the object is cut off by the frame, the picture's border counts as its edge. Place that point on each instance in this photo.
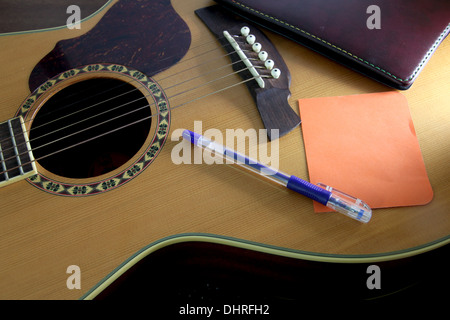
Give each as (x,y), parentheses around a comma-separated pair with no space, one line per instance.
(96,112)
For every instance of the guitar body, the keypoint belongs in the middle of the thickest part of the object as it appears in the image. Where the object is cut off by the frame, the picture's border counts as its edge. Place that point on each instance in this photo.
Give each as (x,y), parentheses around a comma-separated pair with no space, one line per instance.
(96,221)
(207,271)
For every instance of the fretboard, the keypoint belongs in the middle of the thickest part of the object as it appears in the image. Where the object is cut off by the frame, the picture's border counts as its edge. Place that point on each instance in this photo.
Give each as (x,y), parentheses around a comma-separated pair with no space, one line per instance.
(16,158)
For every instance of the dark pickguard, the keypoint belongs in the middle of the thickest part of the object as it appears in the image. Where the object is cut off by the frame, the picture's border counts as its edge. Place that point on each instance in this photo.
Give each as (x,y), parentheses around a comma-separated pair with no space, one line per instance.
(147,35)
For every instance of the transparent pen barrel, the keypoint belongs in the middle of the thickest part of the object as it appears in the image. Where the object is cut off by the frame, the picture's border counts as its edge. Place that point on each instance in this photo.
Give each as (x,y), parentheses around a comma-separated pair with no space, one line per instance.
(233,157)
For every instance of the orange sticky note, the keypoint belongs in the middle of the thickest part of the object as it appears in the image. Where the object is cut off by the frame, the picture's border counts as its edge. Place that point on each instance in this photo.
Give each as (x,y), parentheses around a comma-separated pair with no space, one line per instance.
(366,146)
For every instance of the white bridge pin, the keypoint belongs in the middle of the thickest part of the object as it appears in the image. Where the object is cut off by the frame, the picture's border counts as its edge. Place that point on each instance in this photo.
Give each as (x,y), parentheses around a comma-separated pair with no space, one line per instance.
(251,39)
(263,55)
(269,64)
(257,47)
(276,73)
(245,31)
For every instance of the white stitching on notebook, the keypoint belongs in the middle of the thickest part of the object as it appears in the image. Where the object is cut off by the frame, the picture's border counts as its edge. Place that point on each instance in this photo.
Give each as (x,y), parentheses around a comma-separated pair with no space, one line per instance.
(426,57)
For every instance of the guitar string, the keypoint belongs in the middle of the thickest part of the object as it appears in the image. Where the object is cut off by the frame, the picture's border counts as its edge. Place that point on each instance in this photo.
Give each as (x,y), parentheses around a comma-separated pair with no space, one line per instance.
(128,125)
(189,90)
(111,119)
(109,110)
(222,46)
(179,63)
(158,80)
(122,94)
(160,70)
(206,43)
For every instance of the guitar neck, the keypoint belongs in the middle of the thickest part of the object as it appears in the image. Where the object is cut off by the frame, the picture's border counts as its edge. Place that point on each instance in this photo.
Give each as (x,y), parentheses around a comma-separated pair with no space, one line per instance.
(16,159)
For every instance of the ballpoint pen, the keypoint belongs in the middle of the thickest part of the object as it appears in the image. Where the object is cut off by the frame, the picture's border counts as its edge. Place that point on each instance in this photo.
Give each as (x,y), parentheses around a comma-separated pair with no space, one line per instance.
(332,198)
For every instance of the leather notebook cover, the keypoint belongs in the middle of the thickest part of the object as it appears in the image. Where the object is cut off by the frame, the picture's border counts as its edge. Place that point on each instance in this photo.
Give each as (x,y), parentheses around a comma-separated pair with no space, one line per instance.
(408,35)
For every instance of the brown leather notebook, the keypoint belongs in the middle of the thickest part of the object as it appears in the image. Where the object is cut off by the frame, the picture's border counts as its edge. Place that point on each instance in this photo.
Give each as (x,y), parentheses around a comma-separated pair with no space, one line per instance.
(389,41)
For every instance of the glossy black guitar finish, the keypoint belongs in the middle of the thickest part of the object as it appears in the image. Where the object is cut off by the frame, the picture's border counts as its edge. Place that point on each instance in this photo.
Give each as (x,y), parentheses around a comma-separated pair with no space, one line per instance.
(211,274)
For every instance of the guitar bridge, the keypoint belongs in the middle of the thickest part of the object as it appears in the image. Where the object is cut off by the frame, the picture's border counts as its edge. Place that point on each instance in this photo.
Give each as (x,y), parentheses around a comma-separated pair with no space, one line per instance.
(16,159)
(248,63)
(270,88)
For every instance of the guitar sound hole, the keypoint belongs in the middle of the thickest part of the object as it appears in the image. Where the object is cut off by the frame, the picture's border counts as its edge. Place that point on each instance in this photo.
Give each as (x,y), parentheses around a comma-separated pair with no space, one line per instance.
(76,132)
